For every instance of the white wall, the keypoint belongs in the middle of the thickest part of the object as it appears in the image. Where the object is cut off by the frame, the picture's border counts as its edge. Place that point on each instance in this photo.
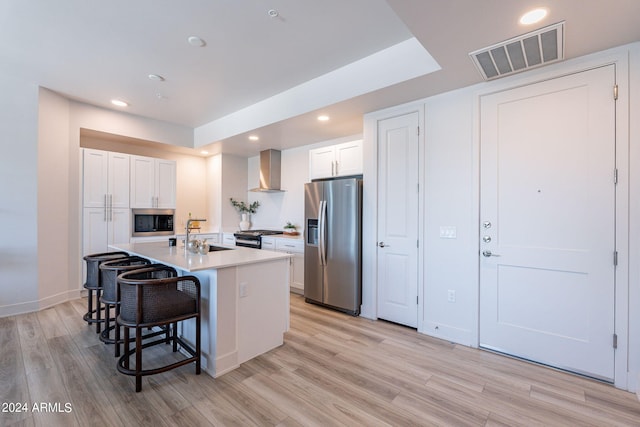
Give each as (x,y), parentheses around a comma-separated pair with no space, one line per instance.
(450,264)
(18,196)
(276,209)
(54,285)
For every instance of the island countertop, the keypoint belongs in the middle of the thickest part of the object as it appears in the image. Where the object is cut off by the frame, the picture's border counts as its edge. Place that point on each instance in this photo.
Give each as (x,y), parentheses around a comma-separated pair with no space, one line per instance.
(177,257)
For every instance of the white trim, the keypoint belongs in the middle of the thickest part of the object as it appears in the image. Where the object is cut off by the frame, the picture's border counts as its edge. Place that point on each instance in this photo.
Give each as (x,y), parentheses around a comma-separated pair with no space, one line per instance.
(38,305)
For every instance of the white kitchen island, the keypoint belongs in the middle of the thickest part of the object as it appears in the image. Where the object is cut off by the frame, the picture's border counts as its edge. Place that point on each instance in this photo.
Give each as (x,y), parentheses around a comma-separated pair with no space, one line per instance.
(244,300)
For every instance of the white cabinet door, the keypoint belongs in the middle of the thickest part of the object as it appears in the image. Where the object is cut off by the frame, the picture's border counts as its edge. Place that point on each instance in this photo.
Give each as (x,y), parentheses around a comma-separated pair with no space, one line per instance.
(153,183)
(118,178)
(95,167)
(94,231)
(297,273)
(228,239)
(321,162)
(165,172)
(349,158)
(106,215)
(295,247)
(336,160)
(142,182)
(119,226)
(268,243)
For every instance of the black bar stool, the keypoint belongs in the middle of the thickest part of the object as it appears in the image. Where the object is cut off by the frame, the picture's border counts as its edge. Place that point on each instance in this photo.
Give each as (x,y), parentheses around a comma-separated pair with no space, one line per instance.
(93,283)
(109,271)
(148,300)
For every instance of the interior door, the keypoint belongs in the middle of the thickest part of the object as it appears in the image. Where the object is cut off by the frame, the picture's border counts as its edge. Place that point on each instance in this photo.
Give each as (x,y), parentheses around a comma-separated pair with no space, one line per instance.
(398,219)
(547,213)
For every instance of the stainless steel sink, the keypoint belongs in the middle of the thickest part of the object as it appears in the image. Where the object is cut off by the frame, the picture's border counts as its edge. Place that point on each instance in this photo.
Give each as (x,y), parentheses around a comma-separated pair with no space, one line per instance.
(218,248)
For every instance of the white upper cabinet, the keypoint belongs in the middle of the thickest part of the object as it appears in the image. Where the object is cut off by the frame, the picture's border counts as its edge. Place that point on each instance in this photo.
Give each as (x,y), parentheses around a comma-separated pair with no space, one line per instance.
(336,160)
(105,179)
(153,183)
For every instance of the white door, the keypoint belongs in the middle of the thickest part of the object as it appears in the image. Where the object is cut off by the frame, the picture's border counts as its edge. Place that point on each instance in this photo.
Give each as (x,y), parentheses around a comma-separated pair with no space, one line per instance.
(547,222)
(398,219)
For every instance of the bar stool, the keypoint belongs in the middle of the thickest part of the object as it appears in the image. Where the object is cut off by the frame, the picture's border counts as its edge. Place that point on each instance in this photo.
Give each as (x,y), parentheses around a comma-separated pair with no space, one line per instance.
(109,271)
(149,300)
(94,283)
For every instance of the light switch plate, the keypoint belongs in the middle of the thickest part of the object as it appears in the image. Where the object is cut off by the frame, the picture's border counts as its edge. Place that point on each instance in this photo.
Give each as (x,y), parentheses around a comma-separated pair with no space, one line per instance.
(448,232)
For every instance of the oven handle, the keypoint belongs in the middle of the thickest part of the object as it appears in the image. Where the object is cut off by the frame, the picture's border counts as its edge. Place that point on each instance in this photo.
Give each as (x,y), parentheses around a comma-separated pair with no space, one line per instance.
(251,243)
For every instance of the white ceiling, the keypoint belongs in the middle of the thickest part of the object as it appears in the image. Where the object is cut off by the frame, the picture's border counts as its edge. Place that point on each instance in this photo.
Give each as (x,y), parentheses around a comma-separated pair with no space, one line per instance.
(272,76)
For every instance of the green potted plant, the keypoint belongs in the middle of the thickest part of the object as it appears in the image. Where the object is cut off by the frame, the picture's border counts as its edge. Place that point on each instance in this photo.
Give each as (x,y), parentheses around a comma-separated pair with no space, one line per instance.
(244,209)
(290,229)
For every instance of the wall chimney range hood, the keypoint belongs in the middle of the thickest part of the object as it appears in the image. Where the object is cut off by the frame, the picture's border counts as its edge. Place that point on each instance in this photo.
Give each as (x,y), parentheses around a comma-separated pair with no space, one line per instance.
(269,172)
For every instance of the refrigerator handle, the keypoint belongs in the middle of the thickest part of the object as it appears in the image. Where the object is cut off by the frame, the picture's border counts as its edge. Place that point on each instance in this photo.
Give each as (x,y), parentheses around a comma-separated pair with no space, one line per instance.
(322,243)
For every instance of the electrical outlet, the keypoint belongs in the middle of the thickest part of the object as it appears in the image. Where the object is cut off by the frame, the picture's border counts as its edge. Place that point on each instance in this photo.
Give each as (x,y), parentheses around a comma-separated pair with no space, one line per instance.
(451,295)
(243,290)
(448,232)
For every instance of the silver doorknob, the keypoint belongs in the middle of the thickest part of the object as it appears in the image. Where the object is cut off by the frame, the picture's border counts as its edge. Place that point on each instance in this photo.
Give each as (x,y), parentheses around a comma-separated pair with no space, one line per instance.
(488,254)
(381,244)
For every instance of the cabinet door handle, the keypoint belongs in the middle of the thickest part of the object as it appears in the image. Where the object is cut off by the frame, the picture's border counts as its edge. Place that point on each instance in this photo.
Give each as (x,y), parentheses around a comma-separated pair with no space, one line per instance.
(105,208)
(332,168)
(336,167)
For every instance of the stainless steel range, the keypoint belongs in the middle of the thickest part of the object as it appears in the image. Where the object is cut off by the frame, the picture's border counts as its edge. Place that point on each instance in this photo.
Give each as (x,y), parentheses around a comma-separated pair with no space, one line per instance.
(253,238)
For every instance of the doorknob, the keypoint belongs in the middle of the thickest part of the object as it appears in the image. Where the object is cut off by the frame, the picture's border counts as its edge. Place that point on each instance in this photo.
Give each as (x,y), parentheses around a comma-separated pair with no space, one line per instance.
(382,245)
(488,254)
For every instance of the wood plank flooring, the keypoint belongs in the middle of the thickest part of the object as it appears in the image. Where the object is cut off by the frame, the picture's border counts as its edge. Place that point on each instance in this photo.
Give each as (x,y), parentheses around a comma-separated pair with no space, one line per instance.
(333,369)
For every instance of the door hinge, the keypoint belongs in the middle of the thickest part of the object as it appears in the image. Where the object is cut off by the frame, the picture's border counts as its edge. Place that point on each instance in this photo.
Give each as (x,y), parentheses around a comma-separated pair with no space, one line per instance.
(615,92)
(615,258)
(615,176)
(418,131)
(417,243)
(615,340)
(416,299)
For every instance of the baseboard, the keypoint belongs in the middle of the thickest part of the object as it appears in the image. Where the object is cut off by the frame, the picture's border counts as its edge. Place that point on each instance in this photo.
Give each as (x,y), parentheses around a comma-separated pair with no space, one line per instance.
(33,306)
(449,333)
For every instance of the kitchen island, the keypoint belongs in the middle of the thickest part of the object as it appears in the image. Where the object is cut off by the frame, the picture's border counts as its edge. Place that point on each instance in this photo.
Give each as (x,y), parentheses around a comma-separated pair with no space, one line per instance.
(244,299)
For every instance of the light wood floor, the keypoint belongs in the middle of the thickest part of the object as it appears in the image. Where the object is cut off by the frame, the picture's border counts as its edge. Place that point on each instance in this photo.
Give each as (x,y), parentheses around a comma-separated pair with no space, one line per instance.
(333,369)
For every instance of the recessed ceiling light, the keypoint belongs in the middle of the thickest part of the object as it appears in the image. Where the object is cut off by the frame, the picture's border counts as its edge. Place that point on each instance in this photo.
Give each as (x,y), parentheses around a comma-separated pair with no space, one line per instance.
(253,138)
(273,13)
(196,41)
(156,77)
(533,16)
(323,118)
(119,103)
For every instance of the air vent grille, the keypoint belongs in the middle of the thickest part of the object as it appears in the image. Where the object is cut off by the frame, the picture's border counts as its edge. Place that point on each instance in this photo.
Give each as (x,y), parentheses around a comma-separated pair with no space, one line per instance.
(530,50)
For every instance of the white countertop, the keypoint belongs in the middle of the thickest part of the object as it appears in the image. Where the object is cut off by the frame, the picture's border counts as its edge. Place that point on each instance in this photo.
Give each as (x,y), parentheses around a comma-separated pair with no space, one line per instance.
(176,257)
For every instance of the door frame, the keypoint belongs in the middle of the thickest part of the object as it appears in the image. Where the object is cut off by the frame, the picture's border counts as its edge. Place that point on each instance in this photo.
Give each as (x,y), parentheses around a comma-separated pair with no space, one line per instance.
(620,60)
(369,308)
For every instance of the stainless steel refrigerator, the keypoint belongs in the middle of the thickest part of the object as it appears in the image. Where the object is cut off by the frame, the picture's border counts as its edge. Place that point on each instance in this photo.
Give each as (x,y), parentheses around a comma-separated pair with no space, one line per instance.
(333,244)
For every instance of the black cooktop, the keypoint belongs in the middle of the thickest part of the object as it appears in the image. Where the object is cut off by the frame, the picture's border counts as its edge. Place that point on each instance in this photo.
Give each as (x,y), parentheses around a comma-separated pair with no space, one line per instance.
(256,233)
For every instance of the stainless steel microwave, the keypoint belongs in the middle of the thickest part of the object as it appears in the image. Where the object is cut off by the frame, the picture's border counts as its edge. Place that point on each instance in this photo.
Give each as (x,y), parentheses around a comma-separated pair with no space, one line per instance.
(152,222)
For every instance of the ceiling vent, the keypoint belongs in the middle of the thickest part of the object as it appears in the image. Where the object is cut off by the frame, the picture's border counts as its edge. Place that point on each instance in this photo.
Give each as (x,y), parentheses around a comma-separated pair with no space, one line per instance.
(521,53)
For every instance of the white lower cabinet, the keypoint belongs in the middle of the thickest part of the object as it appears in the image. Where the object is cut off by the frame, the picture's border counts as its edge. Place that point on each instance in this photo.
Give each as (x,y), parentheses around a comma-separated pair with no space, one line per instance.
(228,239)
(102,227)
(295,247)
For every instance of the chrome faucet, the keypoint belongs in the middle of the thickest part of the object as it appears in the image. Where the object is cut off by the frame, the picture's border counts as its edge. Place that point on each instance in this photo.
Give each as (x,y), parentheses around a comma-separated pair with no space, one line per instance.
(186,241)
